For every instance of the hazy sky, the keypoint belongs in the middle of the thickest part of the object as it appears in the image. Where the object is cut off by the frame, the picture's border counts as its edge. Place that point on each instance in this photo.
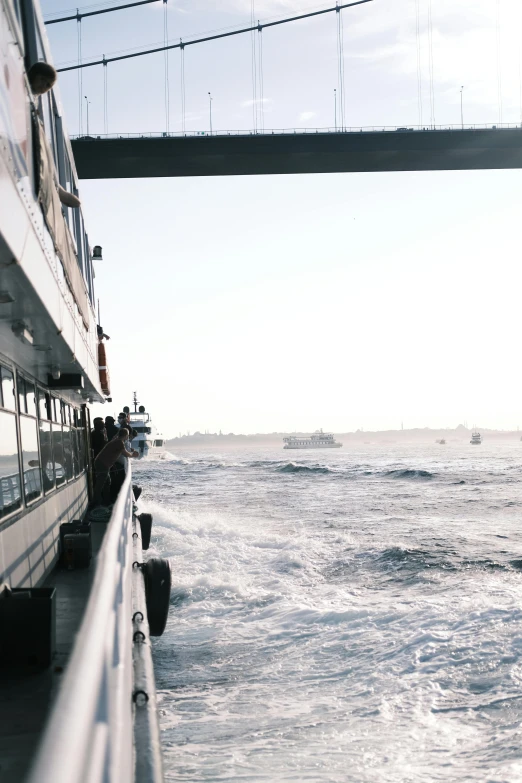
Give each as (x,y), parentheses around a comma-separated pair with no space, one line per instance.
(334,301)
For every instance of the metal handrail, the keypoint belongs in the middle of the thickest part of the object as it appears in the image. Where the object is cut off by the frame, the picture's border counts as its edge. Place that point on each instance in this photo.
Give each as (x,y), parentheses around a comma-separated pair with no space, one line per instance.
(297,131)
(89,734)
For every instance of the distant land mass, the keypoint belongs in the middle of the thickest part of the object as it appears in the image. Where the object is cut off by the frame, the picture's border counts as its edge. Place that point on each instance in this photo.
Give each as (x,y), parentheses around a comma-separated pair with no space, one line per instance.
(418,435)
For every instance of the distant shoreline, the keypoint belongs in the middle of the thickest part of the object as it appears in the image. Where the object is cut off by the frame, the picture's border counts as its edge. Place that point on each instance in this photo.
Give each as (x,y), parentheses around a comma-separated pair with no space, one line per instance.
(418,435)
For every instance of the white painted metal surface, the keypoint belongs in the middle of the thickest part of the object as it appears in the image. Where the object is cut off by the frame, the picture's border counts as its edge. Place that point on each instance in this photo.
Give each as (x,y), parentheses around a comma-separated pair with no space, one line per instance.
(29,545)
(149,768)
(89,734)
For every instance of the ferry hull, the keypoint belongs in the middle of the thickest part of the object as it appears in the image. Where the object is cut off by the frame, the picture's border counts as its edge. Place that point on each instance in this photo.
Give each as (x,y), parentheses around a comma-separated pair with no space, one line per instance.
(312,446)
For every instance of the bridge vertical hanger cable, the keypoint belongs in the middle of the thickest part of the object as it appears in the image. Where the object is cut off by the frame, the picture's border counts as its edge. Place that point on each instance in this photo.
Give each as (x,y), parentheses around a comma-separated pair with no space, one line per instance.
(80,77)
(340,64)
(419,61)
(499,65)
(182,74)
(105,100)
(432,80)
(167,85)
(261,78)
(254,65)
(520,80)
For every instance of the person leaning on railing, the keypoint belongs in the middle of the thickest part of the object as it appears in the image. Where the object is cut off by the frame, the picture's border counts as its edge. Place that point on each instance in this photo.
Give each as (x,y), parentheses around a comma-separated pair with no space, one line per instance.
(105,460)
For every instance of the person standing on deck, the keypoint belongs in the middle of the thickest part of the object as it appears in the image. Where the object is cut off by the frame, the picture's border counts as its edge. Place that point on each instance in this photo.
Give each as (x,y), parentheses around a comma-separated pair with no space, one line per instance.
(98,436)
(105,460)
(110,427)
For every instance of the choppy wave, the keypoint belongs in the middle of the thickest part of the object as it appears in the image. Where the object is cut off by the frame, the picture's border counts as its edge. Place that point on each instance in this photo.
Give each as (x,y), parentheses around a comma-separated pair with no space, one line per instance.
(293,467)
(293,599)
(410,473)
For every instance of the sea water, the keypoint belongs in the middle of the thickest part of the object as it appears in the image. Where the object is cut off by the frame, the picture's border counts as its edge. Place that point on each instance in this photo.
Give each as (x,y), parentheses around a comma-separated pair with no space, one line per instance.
(349,615)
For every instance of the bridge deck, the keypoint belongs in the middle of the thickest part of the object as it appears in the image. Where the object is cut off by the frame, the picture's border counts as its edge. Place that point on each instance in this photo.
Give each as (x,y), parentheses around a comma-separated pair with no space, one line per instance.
(299,153)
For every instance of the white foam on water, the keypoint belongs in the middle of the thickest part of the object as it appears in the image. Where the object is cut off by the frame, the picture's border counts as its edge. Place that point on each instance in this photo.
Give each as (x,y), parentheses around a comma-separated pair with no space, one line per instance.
(380,641)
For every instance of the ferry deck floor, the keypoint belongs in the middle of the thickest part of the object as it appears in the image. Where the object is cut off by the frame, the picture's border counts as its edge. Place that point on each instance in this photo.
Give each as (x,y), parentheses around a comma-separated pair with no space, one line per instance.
(27,699)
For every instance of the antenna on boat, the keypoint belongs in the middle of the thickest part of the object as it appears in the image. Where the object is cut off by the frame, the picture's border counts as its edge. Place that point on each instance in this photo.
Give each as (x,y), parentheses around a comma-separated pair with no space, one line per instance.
(135,401)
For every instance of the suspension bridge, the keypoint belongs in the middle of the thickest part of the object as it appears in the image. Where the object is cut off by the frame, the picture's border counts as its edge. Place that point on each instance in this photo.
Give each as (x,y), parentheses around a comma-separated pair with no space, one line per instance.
(427,147)
(292,152)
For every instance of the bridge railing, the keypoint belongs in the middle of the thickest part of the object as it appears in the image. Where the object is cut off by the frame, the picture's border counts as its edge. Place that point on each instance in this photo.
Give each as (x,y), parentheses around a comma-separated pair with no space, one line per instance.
(89,734)
(298,131)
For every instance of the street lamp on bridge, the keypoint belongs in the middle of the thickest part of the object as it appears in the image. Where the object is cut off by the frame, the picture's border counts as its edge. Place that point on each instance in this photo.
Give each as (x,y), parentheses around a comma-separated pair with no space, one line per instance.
(210,111)
(87,102)
(462,107)
(335,108)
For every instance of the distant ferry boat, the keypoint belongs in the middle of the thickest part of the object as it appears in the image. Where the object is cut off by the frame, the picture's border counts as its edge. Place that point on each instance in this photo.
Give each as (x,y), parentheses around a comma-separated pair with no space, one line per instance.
(476,439)
(148,442)
(319,440)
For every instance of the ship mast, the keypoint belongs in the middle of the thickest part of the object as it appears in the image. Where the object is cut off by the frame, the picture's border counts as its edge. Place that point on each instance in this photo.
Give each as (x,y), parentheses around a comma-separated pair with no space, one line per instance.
(135,401)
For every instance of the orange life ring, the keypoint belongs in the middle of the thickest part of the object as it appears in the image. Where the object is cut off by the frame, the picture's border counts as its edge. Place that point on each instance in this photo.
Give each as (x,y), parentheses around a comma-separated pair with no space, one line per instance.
(104,370)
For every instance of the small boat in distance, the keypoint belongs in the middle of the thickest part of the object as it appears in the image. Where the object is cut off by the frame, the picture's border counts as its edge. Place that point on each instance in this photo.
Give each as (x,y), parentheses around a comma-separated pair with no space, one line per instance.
(319,440)
(476,438)
(441,442)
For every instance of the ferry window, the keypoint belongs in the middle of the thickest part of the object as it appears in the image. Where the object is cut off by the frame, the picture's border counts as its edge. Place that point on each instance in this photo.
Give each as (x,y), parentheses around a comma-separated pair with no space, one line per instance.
(55,410)
(46,456)
(20,383)
(81,449)
(59,458)
(8,398)
(67,437)
(30,398)
(30,459)
(10,493)
(74,444)
(44,405)
(18,11)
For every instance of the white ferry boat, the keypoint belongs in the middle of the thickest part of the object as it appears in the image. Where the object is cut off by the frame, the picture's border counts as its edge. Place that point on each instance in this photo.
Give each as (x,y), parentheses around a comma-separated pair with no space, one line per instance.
(75,650)
(476,438)
(148,442)
(319,440)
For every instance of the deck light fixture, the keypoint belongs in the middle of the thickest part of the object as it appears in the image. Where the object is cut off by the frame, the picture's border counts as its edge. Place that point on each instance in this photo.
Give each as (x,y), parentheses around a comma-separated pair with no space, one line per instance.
(97,253)
(22,332)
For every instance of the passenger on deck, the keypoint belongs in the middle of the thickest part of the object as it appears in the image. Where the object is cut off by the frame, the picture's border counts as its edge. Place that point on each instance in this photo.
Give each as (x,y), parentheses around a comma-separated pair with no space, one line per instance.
(124,420)
(98,436)
(118,470)
(110,427)
(42,78)
(105,460)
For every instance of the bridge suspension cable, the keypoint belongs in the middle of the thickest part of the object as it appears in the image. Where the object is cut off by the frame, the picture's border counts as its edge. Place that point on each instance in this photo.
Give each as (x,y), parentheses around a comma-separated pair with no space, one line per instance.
(499,64)
(261,78)
(254,64)
(214,37)
(430,53)
(80,77)
(166,56)
(105,100)
(340,59)
(78,16)
(419,61)
(182,77)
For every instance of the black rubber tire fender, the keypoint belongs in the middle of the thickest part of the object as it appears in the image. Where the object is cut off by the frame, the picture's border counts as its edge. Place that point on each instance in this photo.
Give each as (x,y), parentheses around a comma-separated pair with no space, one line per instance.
(145,521)
(158,582)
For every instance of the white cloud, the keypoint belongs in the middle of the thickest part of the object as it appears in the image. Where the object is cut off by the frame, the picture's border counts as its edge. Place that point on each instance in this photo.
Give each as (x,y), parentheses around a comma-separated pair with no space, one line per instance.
(307,115)
(257,102)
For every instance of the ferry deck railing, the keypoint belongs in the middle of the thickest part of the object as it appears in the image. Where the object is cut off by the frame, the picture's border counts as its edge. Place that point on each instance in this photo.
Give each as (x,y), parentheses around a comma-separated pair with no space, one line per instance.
(89,736)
